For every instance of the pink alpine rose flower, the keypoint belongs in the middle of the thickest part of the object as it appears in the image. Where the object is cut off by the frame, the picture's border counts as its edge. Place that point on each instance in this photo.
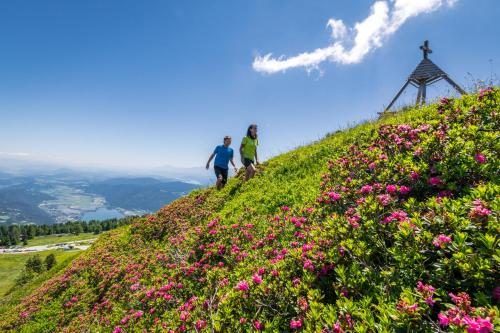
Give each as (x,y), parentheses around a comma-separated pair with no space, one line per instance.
(391,188)
(295,324)
(334,196)
(366,189)
(384,199)
(480,158)
(200,324)
(434,181)
(404,189)
(242,286)
(258,325)
(479,210)
(184,316)
(308,264)
(443,319)
(441,240)
(257,279)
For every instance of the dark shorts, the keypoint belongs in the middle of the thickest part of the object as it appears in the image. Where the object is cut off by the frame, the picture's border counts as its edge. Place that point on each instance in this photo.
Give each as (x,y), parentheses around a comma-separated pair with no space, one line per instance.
(221,172)
(247,162)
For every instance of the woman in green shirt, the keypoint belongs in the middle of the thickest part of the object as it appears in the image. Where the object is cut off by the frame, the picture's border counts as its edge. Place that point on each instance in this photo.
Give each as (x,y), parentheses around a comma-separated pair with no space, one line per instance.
(248,151)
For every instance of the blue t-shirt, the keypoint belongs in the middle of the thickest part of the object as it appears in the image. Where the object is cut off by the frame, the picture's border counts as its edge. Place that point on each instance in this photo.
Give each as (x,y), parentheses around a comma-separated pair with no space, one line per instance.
(222,156)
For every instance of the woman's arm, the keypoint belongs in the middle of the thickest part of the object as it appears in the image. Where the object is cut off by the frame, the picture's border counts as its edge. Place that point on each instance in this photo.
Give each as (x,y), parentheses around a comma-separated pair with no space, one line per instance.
(241,153)
(256,157)
(210,160)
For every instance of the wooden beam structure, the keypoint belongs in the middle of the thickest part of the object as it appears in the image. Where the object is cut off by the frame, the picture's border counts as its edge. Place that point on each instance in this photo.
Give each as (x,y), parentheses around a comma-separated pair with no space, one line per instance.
(424,75)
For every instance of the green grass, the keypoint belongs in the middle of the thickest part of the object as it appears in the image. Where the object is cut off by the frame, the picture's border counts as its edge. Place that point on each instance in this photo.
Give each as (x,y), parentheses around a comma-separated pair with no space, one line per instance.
(11,265)
(60,238)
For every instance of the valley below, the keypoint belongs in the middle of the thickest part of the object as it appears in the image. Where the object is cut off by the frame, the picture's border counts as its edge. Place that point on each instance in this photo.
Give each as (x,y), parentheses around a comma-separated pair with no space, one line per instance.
(43,199)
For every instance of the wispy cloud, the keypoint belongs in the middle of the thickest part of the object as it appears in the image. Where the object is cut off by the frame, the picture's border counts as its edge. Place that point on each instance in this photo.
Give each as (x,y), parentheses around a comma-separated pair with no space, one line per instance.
(351,45)
(14,154)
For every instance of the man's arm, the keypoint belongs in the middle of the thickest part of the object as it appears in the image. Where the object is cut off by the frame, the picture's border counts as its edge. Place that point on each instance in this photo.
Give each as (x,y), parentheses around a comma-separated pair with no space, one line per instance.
(234,166)
(210,160)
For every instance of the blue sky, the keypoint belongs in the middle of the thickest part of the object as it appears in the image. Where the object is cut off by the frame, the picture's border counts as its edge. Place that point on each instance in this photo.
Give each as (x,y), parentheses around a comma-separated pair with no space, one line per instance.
(151,83)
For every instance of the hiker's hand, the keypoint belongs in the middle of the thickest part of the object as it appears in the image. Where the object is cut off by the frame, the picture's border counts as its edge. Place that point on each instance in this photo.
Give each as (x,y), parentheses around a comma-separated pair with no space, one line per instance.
(208,166)
(235,170)
(257,162)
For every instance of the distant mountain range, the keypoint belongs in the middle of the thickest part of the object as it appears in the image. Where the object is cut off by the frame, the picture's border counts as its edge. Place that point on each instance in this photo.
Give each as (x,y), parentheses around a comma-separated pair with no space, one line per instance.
(41,194)
(24,166)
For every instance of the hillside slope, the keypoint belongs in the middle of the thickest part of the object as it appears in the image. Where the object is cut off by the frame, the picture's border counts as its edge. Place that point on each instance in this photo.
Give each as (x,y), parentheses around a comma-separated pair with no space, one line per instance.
(389,226)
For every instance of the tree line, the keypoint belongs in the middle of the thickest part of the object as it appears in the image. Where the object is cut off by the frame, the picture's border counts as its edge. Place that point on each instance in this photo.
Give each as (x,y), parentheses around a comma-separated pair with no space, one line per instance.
(16,234)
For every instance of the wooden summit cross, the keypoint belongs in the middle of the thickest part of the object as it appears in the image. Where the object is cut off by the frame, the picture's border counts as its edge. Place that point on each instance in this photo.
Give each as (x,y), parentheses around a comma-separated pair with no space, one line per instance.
(425,74)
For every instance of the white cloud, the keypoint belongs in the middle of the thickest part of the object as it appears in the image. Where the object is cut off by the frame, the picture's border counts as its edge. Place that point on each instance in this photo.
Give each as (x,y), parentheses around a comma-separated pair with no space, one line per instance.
(385,18)
(14,154)
(339,30)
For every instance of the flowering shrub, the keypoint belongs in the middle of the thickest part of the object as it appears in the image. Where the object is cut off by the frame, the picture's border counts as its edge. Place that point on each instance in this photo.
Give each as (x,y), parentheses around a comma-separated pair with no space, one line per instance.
(391,226)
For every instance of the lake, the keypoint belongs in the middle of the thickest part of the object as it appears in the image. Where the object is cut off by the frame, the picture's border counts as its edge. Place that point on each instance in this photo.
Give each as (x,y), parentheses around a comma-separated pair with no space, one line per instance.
(102,213)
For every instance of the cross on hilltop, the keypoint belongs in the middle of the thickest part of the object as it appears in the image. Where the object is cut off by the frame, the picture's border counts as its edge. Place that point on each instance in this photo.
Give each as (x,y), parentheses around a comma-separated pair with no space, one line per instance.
(425,74)
(426,49)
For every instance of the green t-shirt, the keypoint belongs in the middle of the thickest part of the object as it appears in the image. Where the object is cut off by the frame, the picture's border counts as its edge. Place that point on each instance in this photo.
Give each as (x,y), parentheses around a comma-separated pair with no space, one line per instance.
(249,147)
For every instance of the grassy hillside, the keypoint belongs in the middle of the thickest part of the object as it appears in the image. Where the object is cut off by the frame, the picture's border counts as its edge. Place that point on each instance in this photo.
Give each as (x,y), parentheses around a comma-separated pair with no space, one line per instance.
(390,226)
(11,266)
(60,238)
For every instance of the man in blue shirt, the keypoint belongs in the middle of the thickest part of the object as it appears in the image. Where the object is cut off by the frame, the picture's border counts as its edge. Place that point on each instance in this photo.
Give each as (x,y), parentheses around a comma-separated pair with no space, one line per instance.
(223,155)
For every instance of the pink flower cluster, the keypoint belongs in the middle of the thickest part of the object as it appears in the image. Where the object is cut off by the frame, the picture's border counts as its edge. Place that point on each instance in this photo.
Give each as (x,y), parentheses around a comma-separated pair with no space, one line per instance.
(444,101)
(480,158)
(427,292)
(257,279)
(404,307)
(242,286)
(258,325)
(384,199)
(485,92)
(465,316)
(200,324)
(295,324)
(399,215)
(441,240)
(479,210)
(434,181)
(334,196)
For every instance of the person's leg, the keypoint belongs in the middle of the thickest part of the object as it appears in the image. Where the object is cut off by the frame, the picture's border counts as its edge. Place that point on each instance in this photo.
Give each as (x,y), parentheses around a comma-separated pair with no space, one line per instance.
(224,175)
(218,174)
(246,164)
(250,169)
